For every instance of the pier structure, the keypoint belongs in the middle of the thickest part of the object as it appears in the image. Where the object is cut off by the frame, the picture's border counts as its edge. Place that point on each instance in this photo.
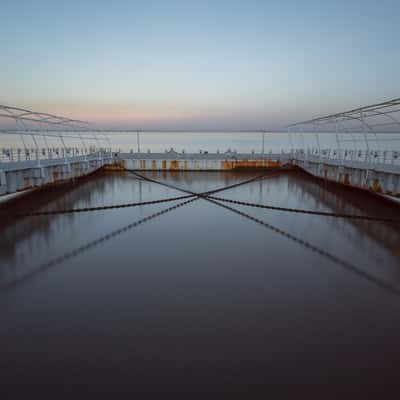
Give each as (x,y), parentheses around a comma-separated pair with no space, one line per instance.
(39,156)
(371,164)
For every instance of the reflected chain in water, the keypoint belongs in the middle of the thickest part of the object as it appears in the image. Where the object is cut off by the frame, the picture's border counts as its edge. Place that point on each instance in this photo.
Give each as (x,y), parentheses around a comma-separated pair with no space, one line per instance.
(300,211)
(90,245)
(126,205)
(337,260)
(351,267)
(205,195)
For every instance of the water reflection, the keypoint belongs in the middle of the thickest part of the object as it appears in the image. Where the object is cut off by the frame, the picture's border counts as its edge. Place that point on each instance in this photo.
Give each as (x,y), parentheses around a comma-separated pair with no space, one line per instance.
(350,201)
(31,241)
(196,293)
(369,244)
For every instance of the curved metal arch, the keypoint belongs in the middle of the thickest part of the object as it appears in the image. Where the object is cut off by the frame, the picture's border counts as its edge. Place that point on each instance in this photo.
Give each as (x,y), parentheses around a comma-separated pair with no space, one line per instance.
(368,111)
(389,115)
(348,117)
(34,116)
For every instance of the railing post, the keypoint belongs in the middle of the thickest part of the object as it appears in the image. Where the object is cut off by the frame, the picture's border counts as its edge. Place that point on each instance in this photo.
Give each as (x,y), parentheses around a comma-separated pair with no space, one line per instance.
(138,140)
(339,149)
(365,138)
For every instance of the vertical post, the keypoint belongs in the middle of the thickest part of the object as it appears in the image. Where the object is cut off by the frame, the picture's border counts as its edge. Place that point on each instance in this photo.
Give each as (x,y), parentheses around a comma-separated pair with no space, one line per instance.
(64,148)
(302,139)
(263,143)
(99,147)
(35,143)
(318,143)
(303,143)
(47,145)
(44,139)
(36,149)
(108,141)
(84,150)
(365,137)
(17,121)
(337,141)
(290,141)
(138,140)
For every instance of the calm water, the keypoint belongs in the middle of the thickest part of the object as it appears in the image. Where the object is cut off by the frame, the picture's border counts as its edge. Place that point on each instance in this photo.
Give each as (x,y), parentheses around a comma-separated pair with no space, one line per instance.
(199,299)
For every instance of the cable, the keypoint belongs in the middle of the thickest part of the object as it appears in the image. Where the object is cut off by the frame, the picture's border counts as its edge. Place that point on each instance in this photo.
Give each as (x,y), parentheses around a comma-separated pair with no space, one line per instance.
(300,211)
(86,209)
(234,185)
(382,284)
(163,183)
(125,205)
(202,194)
(205,195)
(345,264)
(73,253)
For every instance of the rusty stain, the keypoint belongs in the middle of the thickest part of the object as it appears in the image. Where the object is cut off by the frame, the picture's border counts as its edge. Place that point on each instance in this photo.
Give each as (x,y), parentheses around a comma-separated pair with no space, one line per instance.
(376,186)
(226,165)
(250,164)
(114,167)
(153,164)
(346,179)
(174,165)
(164,164)
(56,176)
(142,164)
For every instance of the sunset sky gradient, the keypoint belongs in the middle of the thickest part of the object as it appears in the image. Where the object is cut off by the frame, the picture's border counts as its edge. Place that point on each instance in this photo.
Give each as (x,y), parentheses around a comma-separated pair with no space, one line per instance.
(198,64)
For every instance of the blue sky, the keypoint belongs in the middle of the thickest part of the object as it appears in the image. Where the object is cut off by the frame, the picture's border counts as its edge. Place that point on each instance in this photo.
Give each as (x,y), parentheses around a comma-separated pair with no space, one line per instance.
(198,64)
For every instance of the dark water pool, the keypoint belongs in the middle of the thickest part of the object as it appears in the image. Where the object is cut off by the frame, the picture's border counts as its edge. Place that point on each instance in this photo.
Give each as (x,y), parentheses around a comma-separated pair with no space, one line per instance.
(198,299)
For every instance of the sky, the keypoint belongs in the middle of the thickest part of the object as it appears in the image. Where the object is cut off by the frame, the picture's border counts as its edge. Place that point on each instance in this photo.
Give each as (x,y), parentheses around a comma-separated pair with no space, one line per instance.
(198,64)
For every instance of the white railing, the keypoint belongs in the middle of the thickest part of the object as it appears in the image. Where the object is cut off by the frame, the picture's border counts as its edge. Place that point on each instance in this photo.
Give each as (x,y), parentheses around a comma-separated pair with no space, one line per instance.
(368,158)
(12,154)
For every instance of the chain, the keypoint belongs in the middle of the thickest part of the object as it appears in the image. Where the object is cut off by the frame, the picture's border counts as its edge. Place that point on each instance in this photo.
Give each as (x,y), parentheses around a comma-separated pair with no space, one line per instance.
(300,211)
(126,205)
(202,194)
(351,267)
(90,245)
(86,209)
(216,200)
(345,264)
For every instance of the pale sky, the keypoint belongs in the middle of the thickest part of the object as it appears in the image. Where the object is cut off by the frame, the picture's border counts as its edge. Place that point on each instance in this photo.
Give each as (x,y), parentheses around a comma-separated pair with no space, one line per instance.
(198,64)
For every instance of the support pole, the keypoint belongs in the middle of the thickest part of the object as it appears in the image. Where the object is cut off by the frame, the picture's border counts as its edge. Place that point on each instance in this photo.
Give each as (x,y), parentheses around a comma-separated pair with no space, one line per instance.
(263,143)
(138,140)
(318,143)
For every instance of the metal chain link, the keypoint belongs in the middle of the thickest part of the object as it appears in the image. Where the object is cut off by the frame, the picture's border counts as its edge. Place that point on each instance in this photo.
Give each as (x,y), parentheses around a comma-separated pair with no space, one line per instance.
(99,208)
(351,267)
(73,253)
(124,205)
(201,194)
(345,264)
(301,211)
(215,200)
